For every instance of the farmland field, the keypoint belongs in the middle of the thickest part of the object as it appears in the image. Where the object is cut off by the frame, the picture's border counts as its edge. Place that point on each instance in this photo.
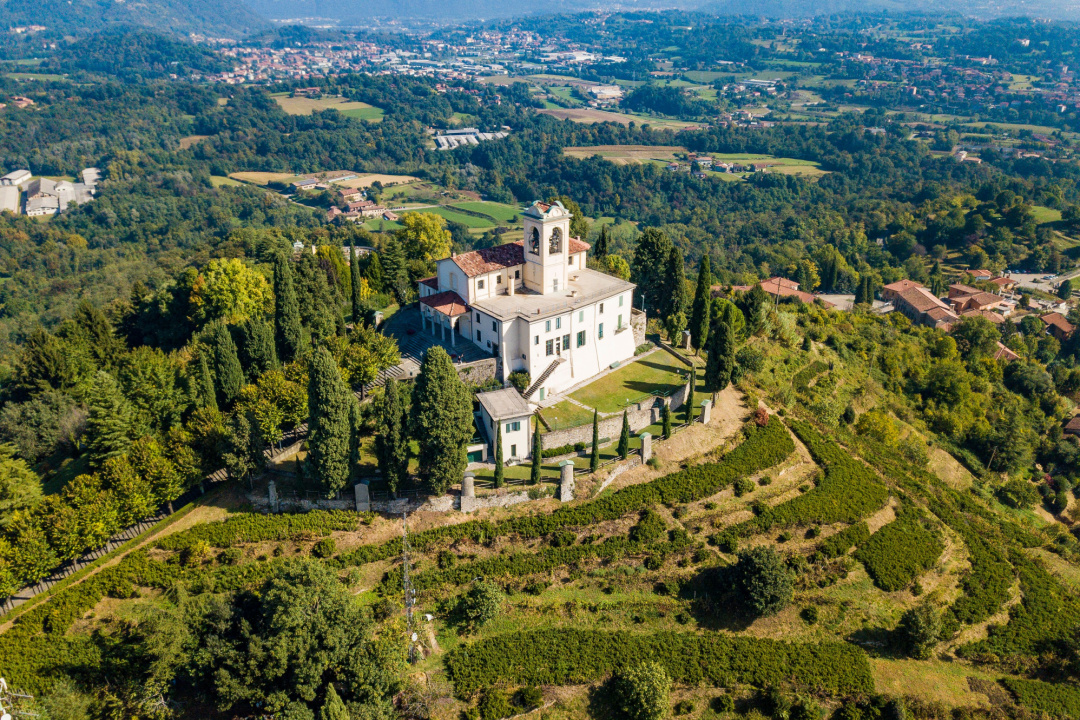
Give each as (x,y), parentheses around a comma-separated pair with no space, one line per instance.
(262,178)
(626,154)
(306,106)
(583,115)
(504,213)
(449,214)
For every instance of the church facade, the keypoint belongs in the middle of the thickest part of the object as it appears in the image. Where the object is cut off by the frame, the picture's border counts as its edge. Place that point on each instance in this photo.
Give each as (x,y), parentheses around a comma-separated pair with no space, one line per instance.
(534,305)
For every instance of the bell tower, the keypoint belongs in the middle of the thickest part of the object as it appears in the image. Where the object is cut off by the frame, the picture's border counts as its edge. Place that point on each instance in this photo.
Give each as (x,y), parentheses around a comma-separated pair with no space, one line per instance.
(547,247)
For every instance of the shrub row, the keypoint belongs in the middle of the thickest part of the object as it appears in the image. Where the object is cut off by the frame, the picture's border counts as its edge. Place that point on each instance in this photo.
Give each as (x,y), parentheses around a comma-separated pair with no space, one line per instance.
(1060,701)
(848,492)
(563,450)
(1047,613)
(252,527)
(841,542)
(564,656)
(762,448)
(901,551)
(801,380)
(519,565)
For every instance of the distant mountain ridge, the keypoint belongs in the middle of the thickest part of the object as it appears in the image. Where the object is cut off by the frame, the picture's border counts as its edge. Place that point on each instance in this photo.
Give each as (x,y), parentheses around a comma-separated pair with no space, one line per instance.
(214,18)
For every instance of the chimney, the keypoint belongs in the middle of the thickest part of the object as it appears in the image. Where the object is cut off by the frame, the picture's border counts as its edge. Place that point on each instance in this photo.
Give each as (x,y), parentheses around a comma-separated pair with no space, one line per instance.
(510,285)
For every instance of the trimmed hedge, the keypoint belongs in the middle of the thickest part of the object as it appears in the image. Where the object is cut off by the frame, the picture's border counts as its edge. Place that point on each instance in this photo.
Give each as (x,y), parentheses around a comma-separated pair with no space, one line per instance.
(564,656)
(841,542)
(848,492)
(252,527)
(1061,701)
(900,552)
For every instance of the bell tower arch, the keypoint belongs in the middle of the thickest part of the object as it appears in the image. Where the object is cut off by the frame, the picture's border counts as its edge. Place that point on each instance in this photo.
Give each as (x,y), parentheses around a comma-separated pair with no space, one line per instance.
(547,246)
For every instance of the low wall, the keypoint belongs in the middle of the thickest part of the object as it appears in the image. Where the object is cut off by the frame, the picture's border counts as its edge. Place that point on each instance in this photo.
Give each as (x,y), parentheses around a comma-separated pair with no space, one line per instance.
(479,372)
(637,324)
(641,415)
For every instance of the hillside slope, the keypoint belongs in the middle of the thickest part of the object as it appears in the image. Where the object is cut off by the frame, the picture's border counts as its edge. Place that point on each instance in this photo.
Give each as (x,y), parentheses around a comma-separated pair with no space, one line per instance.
(217,19)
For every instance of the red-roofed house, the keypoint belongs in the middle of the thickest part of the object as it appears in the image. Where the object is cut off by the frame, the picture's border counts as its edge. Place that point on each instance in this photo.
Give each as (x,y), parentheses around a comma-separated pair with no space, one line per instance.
(777,287)
(890,292)
(1057,325)
(534,304)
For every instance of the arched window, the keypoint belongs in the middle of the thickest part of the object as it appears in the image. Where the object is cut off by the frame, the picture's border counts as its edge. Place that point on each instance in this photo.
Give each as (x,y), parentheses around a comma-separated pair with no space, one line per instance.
(555,244)
(534,242)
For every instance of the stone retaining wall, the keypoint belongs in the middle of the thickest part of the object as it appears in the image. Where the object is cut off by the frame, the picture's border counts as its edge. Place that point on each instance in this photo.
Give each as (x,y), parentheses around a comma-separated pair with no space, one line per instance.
(637,324)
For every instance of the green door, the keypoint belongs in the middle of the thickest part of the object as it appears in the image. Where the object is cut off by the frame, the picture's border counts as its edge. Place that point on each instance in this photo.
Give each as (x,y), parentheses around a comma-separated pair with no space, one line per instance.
(475,456)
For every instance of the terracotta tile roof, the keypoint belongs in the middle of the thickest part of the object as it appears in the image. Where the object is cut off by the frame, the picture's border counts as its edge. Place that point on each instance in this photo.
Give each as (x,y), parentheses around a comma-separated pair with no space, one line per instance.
(921,299)
(901,286)
(432,282)
(991,316)
(981,274)
(961,289)
(1004,353)
(577,245)
(1073,426)
(448,303)
(780,281)
(781,289)
(480,262)
(1058,320)
(1003,281)
(940,314)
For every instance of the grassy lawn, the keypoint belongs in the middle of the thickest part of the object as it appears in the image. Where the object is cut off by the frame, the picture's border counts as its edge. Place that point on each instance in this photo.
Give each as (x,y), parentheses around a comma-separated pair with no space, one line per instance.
(379,225)
(221,181)
(1044,215)
(467,220)
(504,213)
(307,106)
(370,113)
(566,415)
(658,374)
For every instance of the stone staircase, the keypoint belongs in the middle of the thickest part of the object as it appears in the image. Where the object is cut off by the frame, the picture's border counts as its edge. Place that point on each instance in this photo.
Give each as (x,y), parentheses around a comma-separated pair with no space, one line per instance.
(543,377)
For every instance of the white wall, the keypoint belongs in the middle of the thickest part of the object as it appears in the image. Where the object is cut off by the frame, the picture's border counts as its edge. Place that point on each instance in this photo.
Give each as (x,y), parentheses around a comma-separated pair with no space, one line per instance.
(522,437)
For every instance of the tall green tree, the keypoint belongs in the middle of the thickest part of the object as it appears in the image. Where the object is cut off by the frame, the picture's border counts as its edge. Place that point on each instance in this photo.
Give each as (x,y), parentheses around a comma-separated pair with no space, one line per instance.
(603,243)
(354,276)
(675,297)
(228,375)
(648,266)
(329,422)
(699,310)
(395,271)
(205,394)
(688,407)
(20,487)
(537,454)
(392,442)
(642,691)
(333,707)
(442,421)
(665,419)
(288,331)
(260,355)
(721,360)
(624,436)
(499,474)
(111,425)
(594,454)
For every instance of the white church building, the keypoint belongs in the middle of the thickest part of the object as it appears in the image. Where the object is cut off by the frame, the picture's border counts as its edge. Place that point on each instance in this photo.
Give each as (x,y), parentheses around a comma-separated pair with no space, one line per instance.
(534,305)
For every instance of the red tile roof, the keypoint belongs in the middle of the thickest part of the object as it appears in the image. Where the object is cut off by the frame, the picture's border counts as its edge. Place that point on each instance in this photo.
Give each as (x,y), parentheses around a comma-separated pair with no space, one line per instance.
(500,257)
(991,316)
(902,286)
(432,282)
(1003,281)
(1004,353)
(781,289)
(1058,320)
(448,303)
(920,298)
(963,289)
(981,274)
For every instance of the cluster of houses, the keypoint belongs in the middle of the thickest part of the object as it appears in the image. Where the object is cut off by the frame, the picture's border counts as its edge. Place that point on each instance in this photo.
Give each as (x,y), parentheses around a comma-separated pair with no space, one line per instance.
(923,307)
(450,139)
(704,163)
(357,207)
(44,196)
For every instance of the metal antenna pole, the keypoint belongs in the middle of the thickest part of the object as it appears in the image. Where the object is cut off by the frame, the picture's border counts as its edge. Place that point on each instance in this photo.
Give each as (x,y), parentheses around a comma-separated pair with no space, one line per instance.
(13,703)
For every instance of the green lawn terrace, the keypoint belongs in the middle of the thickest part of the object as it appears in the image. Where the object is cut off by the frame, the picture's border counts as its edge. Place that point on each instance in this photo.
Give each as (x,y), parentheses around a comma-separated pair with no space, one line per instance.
(657,374)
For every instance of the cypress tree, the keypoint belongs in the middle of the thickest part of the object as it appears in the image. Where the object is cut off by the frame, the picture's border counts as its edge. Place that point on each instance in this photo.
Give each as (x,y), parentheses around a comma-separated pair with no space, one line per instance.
(333,708)
(111,425)
(228,375)
(721,360)
(665,418)
(395,273)
(392,444)
(674,300)
(537,454)
(594,456)
(329,422)
(206,396)
(374,273)
(259,352)
(699,313)
(688,413)
(354,275)
(442,420)
(498,456)
(624,436)
(600,250)
(288,333)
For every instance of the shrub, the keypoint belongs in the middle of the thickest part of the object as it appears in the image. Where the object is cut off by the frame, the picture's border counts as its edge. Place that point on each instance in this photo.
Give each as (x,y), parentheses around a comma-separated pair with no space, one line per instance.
(743,486)
(1018,493)
(324,548)
(810,614)
(494,705)
(641,691)
(562,538)
(520,379)
(649,528)
(482,603)
(563,450)
(901,551)
(252,527)
(529,697)
(571,656)
(1059,700)
(727,542)
(684,707)
(723,703)
(445,559)
(919,630)
(762,581)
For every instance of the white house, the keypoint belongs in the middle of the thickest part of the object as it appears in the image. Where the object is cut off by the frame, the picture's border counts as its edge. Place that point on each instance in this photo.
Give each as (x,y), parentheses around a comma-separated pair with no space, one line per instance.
(506,407)
(17,178)
(9,198)
(534,305)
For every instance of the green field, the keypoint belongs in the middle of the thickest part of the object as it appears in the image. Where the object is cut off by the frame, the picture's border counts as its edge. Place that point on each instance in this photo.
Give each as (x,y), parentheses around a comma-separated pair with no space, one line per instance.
(660,373)
(449,214)
(1044,215)
(221,181)
(372,114)
(36,76)
(566,415)
(503,213)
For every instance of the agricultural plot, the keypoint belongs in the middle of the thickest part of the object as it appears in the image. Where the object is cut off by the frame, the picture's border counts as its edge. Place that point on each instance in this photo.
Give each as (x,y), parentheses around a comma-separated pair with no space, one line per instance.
(628,154)
(447,212)
(350,108)
(499,211)
(589,116)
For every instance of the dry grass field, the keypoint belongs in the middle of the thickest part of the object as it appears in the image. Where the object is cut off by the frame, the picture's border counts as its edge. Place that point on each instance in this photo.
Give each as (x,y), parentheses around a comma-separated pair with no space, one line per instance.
(186,142)
(589,116)
(262,178)
(306,106)
(627,154)
(366,180)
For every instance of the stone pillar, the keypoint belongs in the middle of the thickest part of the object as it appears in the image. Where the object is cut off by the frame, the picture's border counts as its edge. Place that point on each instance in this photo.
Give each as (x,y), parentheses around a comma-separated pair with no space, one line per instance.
(646,447)
(271,489)
(363,497)
(706,411)
(468,492)
(453,332)
(566,480)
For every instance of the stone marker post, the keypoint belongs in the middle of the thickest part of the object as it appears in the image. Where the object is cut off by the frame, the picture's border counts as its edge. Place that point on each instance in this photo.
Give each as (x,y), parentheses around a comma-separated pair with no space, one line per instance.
(566,480)
(271,488)
(468,492)
(363,497)
(646,447)
(706,411)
